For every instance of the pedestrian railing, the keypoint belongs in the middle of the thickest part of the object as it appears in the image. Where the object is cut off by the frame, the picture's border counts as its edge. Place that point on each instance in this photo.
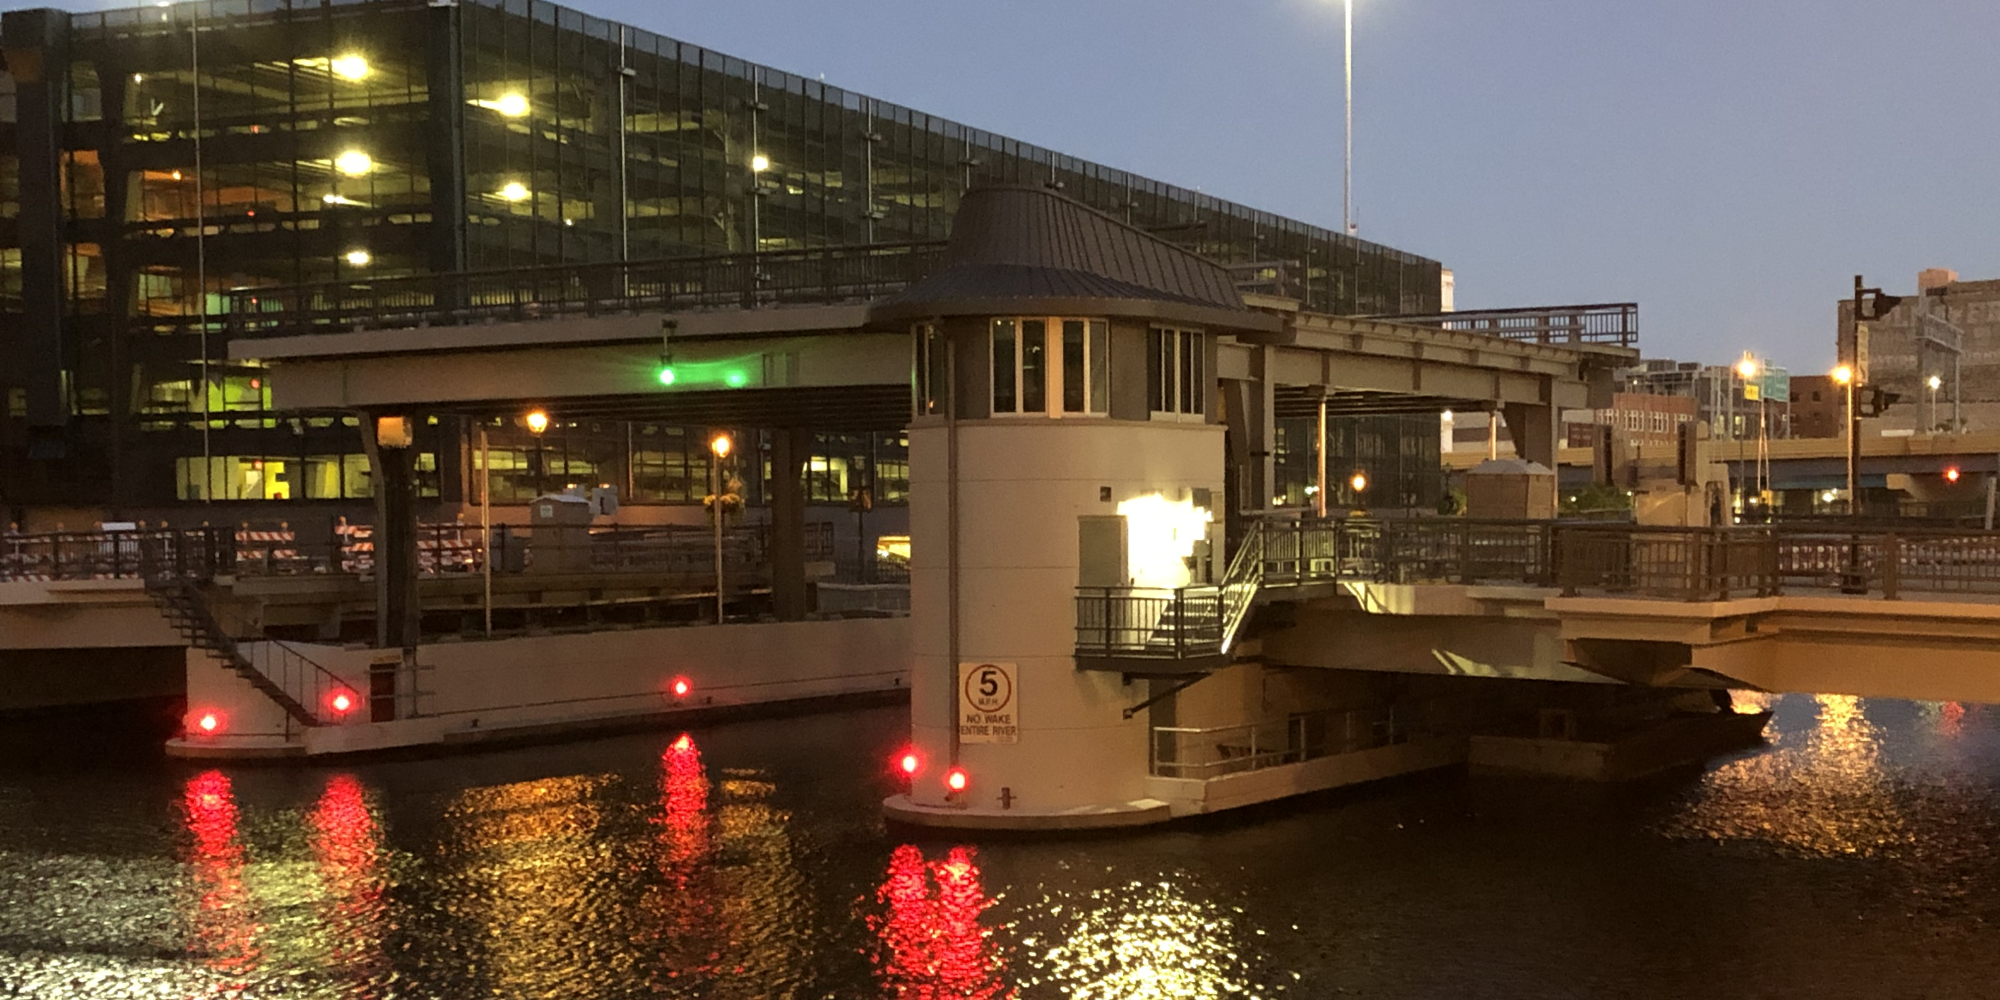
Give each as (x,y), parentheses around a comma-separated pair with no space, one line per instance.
(1213,752)
(1278,558)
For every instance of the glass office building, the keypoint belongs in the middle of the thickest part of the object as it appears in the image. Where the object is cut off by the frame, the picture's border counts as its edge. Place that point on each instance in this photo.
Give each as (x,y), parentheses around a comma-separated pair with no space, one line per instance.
(153,159)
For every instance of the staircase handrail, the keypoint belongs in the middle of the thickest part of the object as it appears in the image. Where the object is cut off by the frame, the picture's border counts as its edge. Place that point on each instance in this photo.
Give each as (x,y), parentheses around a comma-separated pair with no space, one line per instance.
(1241,582)
(303,682)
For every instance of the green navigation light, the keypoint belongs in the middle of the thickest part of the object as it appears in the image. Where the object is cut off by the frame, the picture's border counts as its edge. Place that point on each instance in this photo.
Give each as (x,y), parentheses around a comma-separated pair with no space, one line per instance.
(735,379)
(666,376)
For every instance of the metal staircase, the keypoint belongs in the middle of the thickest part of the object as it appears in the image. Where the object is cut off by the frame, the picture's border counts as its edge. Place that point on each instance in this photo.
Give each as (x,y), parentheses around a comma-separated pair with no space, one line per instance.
(1157,631)
(292,682)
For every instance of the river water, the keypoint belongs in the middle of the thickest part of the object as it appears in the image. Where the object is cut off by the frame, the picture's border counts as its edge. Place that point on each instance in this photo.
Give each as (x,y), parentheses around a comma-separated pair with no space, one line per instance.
(1849,858)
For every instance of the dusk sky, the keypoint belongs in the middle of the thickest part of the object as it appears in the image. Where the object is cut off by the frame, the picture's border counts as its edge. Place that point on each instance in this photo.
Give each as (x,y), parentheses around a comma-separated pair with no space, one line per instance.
(1729,164)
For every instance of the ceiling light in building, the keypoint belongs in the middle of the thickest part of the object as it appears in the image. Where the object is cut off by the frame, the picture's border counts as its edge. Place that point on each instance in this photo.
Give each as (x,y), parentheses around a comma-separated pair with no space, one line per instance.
(349,67)
(512,105)
(760,163)
(514,191)
(334,199)
(353,163)
(358,258)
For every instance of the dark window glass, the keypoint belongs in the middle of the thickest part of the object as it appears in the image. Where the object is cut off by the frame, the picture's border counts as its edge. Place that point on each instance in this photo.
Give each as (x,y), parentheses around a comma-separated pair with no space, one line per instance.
(1034,366)
(1156,371)
(1100,367)
(1198,385)
(1187,372)
(1072,366)
(1004,362)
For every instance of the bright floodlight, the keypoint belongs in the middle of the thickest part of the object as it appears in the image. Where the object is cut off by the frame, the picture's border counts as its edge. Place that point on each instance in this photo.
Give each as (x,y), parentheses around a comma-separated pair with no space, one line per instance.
(760,163)
(349,67)
(1747,367)
(1843,374)
(512,105)
(514,191)
(358,258)
(353,163)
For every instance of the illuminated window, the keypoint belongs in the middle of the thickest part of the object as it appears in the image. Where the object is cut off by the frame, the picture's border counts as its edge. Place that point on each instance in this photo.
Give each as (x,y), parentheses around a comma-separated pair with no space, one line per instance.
(1027,372)
(1176,364)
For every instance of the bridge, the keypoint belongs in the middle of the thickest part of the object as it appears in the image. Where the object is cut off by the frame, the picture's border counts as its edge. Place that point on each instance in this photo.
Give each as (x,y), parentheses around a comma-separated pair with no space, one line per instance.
(1097,572)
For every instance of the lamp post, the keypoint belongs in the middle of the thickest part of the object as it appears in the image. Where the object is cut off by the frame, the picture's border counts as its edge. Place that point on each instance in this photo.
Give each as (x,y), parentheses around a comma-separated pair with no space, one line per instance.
(1347,162)
(720,448)
(1750,369)
(1933,383)
(1844,375)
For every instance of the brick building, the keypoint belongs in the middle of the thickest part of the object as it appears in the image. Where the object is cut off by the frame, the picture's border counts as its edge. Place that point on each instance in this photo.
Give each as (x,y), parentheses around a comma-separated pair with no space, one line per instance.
(1898,356)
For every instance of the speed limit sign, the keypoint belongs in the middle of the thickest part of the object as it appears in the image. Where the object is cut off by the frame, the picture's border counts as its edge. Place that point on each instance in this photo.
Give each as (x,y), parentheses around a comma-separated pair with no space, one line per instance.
(988,703)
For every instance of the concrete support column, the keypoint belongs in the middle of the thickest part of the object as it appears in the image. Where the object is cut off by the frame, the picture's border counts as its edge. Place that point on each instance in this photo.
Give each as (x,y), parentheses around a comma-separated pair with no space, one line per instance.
(1248,410)
(790,448)
(398,613)
(1533,426)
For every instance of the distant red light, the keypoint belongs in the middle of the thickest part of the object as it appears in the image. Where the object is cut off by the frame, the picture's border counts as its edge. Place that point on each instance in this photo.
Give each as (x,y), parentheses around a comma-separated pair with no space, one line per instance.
(909,763)
(341,702)
(209,723)
(682,687)
(956,780)
(1951,474)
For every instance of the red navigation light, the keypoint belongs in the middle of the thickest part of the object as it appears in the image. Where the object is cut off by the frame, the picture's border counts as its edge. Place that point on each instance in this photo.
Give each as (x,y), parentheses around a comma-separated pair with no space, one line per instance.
(909,762)
(1951,474)
(342,702)
(682,687)
(955,779)
(209,723)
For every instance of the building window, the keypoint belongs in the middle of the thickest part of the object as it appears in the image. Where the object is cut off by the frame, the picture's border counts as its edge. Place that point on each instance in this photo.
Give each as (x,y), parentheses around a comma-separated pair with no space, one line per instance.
(1175,372)
(933,371)
(1026,372)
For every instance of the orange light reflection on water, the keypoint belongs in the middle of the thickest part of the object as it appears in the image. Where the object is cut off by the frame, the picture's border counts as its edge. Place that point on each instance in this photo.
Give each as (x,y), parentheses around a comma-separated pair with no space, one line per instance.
(1823,791)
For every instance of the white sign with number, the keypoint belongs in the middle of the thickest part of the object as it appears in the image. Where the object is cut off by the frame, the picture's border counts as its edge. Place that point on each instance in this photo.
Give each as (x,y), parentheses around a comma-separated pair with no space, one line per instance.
(988,703)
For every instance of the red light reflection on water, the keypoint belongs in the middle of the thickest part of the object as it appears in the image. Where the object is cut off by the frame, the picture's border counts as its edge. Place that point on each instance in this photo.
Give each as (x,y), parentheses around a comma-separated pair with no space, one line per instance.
(682,907)
(224,929)
(347,845)
(932,944)
(1951,718)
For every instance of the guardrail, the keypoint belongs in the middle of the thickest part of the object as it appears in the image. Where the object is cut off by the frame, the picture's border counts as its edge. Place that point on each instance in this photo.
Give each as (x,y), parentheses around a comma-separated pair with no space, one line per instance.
(443,549)
(181,553)
(1578,558)
(1609,323)
(1204,753)
(825,275)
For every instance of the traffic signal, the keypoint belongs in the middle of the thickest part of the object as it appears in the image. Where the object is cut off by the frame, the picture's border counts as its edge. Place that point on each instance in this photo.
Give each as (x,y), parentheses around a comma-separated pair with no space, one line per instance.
(1878,400)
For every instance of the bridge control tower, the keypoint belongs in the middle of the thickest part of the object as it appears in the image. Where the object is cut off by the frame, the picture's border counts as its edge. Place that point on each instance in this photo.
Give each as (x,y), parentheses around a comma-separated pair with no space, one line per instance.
(1094,407)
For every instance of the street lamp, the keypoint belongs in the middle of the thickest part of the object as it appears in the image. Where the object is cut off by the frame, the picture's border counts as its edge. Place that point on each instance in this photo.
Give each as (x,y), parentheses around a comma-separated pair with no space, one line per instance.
(1347,161)
(1844,375)
(719,446)
(1933,382)
(1749,369)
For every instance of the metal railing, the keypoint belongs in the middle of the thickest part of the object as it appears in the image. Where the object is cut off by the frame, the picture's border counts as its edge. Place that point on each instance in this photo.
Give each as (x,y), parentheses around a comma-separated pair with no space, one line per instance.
(1689,564)
(1212,752)
(825,275)
(182,553)
(1609,323)
(1162,624)
(1684,564)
